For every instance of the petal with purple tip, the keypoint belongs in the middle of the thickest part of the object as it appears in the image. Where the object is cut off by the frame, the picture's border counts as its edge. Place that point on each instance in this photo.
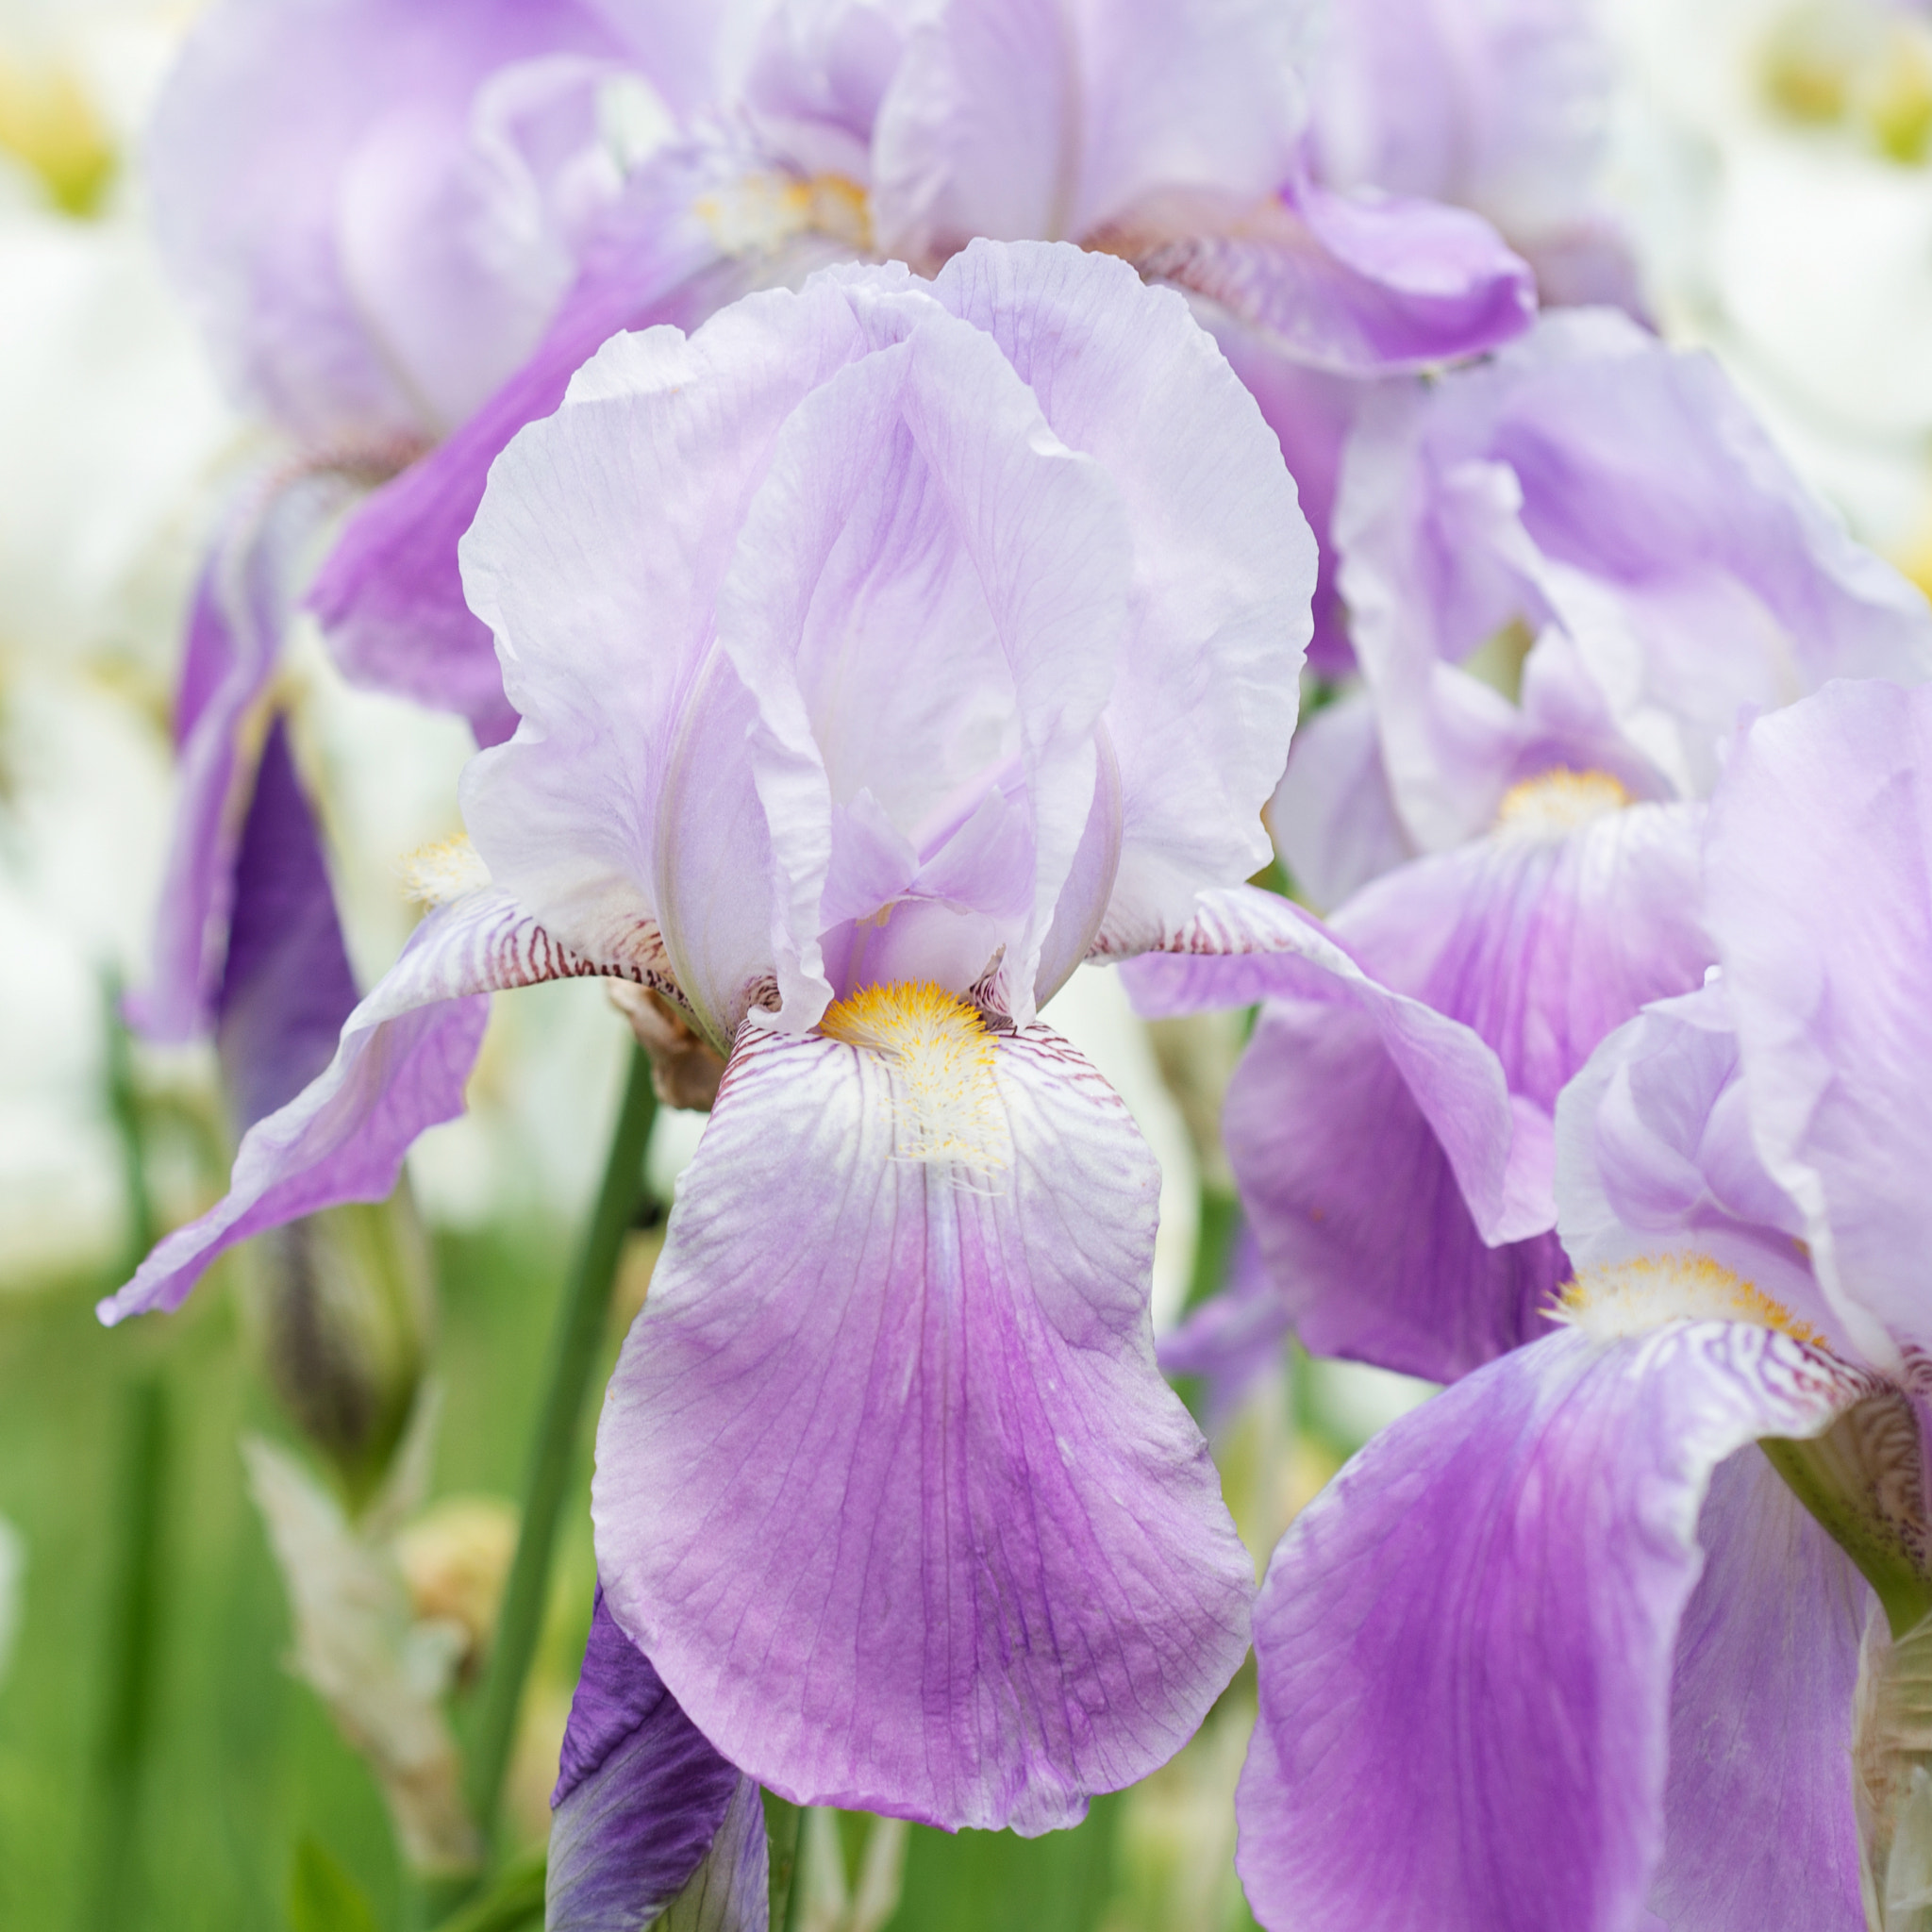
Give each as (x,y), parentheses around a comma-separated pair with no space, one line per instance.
(1467,1642)
(888,1482)
(641,1794)
(401,1066)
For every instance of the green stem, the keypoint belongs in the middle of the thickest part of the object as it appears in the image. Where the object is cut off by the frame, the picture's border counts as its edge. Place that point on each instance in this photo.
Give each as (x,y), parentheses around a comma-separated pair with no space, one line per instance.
(123,1100)
(795,1892)
(574,1355)
(129,1664)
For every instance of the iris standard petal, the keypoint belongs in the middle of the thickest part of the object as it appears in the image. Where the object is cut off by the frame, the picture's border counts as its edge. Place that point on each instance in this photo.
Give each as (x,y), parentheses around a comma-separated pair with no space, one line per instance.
(1223,564)
(888,1484)
(1819,876)
(1466,1642)
(1051,118)
(920,493)
(641,1794)
(403,1058)
(1760,1833)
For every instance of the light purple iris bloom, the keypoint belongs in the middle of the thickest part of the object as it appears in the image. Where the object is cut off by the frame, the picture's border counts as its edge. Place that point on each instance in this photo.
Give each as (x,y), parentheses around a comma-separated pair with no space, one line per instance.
(406,221)
(1596,523)
(1560,1648)
(883,650)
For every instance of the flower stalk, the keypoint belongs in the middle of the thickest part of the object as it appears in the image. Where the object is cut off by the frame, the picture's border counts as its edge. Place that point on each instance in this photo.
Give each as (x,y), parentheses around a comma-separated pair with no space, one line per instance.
(573,1354)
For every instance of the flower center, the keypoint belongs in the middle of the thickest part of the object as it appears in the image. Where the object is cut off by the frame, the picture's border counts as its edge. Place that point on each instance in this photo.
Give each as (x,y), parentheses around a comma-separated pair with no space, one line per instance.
(1556,802)
(941,1058)
(759,213)
(1630,1298)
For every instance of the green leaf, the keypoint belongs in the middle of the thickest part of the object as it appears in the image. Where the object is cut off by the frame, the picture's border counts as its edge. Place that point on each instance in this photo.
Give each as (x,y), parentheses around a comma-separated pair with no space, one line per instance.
(513,1899)
(322,1896)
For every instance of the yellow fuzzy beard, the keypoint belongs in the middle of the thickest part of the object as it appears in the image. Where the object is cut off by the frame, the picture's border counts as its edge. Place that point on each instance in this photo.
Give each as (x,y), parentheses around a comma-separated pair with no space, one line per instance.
(1633,1297)
(1556,802)
(941,1058)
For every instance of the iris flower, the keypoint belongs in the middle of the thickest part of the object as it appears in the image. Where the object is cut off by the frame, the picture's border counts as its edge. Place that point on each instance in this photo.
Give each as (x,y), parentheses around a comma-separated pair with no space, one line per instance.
(883,651)
(1564,1646)
(1599,524)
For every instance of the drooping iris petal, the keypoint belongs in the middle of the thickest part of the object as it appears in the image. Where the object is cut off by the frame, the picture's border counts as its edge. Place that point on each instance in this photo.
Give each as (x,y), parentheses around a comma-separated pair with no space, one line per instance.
(1049,119)
(1357,285)
(888,1483)
(1204,700)
(1467,1642)
(405,1055)
(1819,876)
(730,1891)
(1233,1338)
(286,984)
(1333,818)
(1759,1834)
(1355,1205)
(1244,946)
(641,1794)
(254,159)
(236,625)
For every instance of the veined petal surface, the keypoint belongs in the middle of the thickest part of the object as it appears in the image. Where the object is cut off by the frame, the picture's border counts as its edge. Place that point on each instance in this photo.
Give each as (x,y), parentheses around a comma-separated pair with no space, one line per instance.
(889,1486)
(1467,1642)
(405,1055)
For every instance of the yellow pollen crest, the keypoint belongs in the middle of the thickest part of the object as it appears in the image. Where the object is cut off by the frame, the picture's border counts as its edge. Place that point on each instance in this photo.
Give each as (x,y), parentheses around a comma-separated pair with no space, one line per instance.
(435,874)
(1630,1298)
(943,1062)
(1556,802)
(761,211)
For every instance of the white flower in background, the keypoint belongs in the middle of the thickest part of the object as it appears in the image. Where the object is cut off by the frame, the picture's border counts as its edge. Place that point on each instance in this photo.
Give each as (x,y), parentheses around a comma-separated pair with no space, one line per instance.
(1776,163)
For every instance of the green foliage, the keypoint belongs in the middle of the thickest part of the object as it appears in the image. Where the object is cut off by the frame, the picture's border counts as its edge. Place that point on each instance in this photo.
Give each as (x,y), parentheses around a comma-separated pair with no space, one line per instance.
(322,1896)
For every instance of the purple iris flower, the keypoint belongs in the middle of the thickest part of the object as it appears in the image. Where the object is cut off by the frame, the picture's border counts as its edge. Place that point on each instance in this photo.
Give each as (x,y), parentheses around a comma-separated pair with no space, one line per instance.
(1596,523)
(406,221)
(883,650)
(1562,1647)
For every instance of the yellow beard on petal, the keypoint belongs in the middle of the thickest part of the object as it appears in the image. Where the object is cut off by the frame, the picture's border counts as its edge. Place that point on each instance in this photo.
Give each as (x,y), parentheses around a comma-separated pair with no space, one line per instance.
(759,213)
(1556,802)
(941,1058)
(1632,1297)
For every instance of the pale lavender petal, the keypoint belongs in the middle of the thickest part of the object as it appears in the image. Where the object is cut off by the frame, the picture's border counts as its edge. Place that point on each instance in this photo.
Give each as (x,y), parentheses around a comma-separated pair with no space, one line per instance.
(251,159)
(405,1055)
(1036,118)
(287,987)
(1467,1642)
(241,611)
(603,638)
(390,595)
(1356,284)
(640,1794)
(1205,701)
(1311,413)
(1654,1156)
(1819,874)
(1246,946)
(921,495)
(888,1484)
(1759,1834)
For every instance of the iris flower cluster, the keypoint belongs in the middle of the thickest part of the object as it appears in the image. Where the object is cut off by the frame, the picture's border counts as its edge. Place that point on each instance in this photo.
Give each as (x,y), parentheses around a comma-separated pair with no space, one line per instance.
(880,477)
